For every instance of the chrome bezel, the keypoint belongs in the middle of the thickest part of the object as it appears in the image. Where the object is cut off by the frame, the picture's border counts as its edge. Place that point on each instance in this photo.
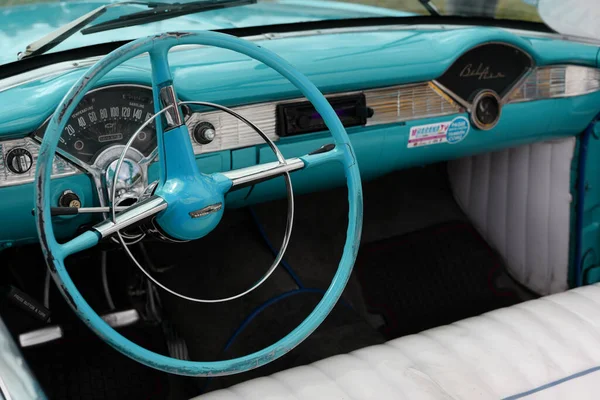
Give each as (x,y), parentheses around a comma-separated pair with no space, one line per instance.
(478,97)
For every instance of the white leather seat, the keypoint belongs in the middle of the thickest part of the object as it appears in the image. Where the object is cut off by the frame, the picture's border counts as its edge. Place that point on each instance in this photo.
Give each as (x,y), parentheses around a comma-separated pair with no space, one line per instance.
(543,349)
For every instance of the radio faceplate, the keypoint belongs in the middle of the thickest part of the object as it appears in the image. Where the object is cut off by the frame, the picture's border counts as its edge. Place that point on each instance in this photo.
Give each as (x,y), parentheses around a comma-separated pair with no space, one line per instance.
(301,117)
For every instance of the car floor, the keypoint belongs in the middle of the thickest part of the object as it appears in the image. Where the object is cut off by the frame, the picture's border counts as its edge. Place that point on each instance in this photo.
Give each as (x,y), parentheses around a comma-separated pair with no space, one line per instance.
(421,264)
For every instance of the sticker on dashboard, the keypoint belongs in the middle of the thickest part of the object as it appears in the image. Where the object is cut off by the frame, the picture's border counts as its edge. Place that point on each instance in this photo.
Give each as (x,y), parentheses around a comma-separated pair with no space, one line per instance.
(458,130)
(442,132)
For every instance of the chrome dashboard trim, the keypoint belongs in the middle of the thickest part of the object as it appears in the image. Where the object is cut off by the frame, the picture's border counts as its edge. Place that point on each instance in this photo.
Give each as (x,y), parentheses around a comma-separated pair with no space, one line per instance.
(452,95)
(556,81)
(60,167)
(390,105)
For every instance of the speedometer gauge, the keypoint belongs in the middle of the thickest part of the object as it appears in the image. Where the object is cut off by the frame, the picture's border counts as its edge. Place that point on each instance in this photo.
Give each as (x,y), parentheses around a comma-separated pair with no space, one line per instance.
(107,117)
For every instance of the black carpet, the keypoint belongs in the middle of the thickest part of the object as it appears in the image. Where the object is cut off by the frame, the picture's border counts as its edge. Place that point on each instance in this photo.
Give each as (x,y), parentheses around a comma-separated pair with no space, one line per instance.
(81,365)
(207,328)
(416,281)
(431,277)
(342,332)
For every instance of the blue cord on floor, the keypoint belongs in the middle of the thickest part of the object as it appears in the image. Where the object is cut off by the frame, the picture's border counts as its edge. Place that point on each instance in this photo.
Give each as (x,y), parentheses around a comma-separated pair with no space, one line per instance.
(284,263)
(273,300)
(262,307)
(254,314)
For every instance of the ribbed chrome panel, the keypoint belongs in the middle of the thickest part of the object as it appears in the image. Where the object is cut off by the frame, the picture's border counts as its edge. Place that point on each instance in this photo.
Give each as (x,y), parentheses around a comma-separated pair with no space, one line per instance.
(403,103)
(233,133)
(8,178)
(556,81)
(390,105)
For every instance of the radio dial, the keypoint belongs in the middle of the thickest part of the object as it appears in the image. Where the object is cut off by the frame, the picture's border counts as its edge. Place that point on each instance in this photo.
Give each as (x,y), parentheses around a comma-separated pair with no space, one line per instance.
(19,160)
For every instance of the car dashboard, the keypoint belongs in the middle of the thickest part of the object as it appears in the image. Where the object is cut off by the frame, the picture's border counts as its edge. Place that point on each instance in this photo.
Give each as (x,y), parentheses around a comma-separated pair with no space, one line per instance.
(408,96)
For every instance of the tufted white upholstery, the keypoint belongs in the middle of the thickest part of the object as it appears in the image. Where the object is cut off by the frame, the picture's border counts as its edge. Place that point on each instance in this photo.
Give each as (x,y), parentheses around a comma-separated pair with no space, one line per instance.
(549,346)
(519,199)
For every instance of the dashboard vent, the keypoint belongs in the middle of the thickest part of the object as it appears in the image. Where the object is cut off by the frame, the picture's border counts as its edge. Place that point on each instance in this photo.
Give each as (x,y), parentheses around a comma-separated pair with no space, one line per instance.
(556,81)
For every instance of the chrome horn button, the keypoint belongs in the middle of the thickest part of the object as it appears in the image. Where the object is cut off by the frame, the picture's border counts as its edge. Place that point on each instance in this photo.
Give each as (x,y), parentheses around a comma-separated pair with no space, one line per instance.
(129,181)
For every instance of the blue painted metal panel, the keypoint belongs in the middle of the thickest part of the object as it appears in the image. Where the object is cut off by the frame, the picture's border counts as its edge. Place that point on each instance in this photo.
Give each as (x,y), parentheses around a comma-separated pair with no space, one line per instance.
(587,249)
(550,51)
(381,58)
(18,223)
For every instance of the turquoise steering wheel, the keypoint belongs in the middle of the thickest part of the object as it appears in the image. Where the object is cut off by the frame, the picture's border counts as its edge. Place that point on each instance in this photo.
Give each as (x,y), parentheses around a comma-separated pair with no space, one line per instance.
(187,204)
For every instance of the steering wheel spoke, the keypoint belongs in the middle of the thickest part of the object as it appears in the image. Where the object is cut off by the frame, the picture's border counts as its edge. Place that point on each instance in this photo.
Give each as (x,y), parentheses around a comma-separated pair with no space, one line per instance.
(133,215)
(323,155)
(86,240)
(240,178)
(175,151)
(243,177)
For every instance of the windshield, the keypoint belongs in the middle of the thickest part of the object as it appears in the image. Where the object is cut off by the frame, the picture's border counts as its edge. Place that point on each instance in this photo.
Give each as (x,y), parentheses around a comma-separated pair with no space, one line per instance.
(25,21)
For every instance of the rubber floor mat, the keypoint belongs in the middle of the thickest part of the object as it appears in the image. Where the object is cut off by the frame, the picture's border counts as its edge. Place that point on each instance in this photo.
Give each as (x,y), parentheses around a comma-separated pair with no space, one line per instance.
(431,277)
(81,366)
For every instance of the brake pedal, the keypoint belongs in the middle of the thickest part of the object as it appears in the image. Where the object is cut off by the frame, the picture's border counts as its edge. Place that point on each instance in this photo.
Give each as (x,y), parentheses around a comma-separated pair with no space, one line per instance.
(176,345)
(120,319)
(40,336)
(51,333)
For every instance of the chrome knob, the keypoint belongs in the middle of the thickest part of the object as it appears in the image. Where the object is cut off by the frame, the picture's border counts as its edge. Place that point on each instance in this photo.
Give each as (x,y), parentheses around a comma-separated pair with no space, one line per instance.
(69,199)
(204,133)
(19,160)
(209,134)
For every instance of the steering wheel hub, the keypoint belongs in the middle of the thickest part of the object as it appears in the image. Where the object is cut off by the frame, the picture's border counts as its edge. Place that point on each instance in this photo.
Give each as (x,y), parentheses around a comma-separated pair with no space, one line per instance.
(195,207)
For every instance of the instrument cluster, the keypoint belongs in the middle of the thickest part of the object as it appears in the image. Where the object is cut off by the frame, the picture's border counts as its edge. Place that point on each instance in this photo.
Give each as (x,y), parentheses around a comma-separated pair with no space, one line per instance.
(107,117)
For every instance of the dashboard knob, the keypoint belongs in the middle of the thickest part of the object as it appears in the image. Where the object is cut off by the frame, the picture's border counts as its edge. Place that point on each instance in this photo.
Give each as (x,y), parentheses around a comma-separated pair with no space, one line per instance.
(69,199)
(204,133)
(19,160)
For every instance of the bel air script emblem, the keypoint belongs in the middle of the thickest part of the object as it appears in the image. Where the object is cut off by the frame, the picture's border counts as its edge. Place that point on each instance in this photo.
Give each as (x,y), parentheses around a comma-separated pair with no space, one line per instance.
(206,210)
(482,72)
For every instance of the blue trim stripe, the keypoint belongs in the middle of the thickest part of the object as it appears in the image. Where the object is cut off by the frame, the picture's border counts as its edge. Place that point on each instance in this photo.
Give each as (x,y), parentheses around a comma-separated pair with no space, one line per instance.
(552,384)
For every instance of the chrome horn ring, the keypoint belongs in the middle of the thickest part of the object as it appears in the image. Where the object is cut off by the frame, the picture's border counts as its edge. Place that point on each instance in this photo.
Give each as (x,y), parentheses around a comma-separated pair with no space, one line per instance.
(289,190)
